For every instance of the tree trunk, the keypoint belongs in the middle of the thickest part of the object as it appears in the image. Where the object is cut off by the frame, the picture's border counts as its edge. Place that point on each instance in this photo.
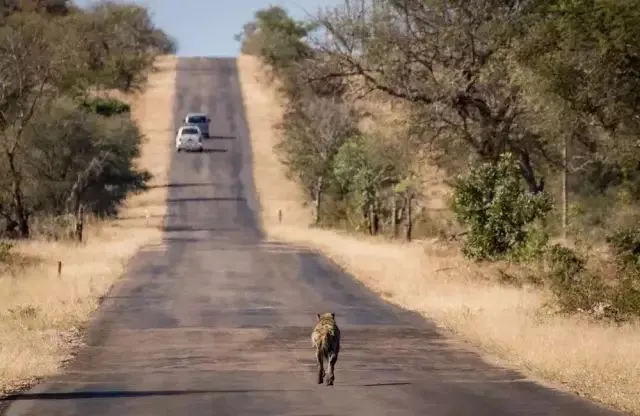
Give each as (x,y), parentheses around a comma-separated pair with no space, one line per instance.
(10,229)
(394,216)
(526,168)
(22,216)
(409,222)
(20,211)
(374,219)
(79,223)
(317,198)
(565,188)
(376,222)
(23,221)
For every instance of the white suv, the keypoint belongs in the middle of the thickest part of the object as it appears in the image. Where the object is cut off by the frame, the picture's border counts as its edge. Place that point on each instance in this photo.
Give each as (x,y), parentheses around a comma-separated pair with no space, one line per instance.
(201,120)
(189,138)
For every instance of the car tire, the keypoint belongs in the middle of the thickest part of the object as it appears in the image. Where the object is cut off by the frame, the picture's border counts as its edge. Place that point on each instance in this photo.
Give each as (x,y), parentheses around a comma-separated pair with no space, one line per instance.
(201,150)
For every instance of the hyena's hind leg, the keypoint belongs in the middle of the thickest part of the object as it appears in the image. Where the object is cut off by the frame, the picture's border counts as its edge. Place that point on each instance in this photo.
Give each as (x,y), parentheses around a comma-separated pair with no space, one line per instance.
(333,359)
(320,361)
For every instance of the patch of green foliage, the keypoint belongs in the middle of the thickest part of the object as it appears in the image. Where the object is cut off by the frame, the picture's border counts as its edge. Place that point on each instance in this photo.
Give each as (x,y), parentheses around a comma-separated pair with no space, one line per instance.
(578,289)
(106,107)
(498,211)
(5,251)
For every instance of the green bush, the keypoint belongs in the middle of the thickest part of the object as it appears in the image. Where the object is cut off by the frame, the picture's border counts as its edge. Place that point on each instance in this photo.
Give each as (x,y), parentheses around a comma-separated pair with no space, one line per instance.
(499,212)
(625,245)
(535,245)
(626,298)
(575,287)
(578,289)
(106,107)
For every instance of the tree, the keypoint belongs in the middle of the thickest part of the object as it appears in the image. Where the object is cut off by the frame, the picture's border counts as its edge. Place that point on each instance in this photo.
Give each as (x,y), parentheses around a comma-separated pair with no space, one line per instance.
(450,61)
(120,44)
(86,159)
(275,37)
(250,40)
(587,54)
(314,129)
(163,43)
(50,58)
(367,169)
(34,59)
(51,7)
(580,62)
(279,41)
(408,189)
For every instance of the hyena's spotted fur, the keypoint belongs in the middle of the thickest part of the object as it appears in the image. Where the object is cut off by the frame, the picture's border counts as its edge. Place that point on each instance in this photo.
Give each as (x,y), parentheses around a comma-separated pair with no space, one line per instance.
(326,341)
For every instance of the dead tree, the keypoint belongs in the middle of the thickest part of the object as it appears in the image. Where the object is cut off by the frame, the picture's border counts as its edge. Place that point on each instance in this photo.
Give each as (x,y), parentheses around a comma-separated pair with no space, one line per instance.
(74,201)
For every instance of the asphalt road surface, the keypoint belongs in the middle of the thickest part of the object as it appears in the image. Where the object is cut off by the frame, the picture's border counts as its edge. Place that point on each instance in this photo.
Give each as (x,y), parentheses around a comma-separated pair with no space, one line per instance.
(217,322)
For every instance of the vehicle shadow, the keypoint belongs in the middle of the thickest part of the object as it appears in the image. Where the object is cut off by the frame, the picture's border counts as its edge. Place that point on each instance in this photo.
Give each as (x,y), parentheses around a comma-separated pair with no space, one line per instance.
(214,150)
(221,137)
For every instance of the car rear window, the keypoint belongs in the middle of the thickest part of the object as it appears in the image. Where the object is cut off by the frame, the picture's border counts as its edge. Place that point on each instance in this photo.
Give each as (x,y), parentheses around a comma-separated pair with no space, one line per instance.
(197,119)
(189,131)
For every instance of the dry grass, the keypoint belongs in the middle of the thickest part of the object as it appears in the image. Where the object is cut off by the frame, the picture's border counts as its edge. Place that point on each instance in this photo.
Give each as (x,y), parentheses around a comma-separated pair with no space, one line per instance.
(262,112)
(597,360)
(41,314)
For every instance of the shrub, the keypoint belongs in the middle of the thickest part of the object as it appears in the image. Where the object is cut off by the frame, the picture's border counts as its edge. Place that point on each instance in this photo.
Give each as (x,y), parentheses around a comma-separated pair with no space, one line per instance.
(578,289)
(5,251)
(53,228)
(106,107)
(625,245)
(626,299)
(575,287)
(493,203)
(534,246)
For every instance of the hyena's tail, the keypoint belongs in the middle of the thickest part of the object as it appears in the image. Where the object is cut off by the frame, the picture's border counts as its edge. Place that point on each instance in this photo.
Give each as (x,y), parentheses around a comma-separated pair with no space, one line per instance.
(327,346)
(323,345)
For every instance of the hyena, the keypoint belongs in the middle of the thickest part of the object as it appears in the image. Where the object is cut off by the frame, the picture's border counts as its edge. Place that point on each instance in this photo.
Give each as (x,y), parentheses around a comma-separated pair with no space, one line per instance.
(326,340)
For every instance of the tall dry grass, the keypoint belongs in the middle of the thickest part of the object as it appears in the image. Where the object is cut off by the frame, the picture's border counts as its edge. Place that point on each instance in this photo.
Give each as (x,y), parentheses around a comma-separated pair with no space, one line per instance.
(597,360)
(41,313)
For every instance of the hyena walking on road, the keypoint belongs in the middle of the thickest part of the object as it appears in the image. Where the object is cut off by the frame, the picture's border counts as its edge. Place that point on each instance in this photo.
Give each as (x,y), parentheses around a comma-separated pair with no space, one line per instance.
(326,340)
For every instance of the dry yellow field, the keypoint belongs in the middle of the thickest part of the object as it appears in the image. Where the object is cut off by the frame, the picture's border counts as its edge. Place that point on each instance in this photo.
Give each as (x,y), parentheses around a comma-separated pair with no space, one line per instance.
(596,360)
(40,313)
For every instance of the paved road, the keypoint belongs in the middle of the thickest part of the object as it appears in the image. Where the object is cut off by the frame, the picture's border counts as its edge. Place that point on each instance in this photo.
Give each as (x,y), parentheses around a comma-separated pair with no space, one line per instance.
(217,322)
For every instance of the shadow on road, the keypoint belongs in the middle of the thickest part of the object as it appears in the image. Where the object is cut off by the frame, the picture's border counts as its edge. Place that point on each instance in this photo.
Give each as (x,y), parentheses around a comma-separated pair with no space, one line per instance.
(222,137)
(142,217)
(150,393)
(214,150)
(176,228)
(185,185)
(204,199)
